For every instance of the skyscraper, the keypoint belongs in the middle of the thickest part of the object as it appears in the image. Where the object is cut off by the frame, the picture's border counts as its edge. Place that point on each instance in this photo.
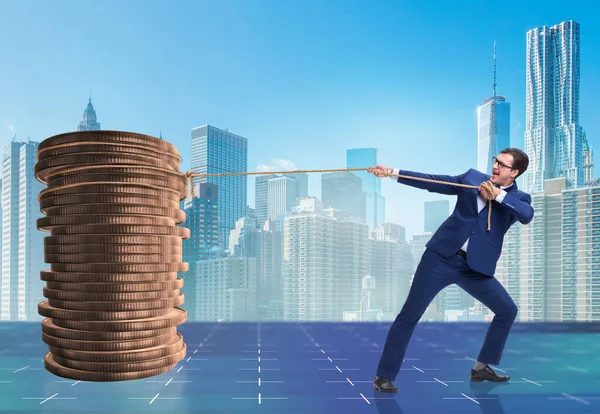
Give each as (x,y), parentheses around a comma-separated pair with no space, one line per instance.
(261,198)
(202,218)
(242,241)
(89,122)
(493,127)
(282,196)
(269,265)
(375,202)
(553,136)
(227,289)
(218,151)
(22,242)
(354,264)
(275,195)
(31,240)
(301,184)
(310,265)
(10,231)
(343,191)
(391,266)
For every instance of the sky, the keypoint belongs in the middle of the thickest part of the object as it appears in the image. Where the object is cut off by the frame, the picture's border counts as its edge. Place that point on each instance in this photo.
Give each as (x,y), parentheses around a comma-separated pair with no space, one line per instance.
(302,80)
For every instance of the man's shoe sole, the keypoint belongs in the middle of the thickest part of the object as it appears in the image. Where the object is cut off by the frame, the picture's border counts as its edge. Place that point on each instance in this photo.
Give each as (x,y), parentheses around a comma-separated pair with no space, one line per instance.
(375,387)
(481,380)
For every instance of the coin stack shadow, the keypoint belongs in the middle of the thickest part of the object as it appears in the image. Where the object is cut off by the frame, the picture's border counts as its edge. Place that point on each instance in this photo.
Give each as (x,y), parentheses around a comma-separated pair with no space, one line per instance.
(112,206)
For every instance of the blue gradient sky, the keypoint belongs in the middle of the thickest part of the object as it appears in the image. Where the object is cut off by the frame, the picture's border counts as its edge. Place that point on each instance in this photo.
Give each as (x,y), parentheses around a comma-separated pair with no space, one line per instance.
(302,80)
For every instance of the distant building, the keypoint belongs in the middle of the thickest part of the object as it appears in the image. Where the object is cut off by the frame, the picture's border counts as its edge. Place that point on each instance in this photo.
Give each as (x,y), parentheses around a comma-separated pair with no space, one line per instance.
(89,122)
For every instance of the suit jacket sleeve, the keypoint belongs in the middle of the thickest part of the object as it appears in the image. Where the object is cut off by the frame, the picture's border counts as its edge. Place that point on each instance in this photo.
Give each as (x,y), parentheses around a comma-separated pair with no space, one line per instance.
(521,207)
(429,186)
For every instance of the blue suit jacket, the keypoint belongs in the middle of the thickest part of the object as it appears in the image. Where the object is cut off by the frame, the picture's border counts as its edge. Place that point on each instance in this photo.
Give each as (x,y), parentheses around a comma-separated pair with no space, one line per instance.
(466,222)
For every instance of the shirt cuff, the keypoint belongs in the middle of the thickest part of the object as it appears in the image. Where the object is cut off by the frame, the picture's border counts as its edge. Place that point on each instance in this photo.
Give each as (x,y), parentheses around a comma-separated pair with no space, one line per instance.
(500,197)
(395,171)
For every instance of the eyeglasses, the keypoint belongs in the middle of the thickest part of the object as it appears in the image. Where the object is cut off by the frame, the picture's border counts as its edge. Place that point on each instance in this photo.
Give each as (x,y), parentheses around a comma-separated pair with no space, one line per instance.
(500,163)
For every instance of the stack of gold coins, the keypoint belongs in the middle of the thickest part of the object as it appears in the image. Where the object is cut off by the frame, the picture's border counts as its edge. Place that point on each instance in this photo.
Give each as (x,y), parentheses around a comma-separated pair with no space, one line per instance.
(112,205)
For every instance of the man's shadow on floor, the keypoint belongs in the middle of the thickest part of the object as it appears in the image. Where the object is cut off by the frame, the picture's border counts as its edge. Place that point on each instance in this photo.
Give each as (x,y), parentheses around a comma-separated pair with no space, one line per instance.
(489,403)
(387,404)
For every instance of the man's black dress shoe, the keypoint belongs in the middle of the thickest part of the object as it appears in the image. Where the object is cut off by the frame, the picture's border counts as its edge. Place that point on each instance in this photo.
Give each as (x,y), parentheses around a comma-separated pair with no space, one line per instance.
(384,385)
(487,374)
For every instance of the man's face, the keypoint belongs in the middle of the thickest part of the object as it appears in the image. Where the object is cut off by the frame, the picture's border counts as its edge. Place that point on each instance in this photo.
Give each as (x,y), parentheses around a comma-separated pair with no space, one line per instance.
(502,174)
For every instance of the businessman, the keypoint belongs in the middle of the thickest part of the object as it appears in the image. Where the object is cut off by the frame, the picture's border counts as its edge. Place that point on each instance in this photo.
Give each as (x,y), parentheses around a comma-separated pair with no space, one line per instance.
(462,251)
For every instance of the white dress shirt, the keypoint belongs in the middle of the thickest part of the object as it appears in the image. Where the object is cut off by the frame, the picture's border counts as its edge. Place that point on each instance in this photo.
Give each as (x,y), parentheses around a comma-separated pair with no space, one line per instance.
(481,202)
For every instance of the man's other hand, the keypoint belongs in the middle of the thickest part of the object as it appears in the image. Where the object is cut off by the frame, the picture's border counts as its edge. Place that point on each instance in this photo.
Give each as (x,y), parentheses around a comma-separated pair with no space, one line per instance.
(484,191)
(380,171)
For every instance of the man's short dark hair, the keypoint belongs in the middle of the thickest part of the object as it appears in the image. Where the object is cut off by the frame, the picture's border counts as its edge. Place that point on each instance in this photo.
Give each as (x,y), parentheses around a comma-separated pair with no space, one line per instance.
(520,159)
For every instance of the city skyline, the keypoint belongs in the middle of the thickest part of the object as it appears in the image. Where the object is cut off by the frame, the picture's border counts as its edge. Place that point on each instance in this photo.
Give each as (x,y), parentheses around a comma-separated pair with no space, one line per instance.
(245,273)
(303,114)
(561,293)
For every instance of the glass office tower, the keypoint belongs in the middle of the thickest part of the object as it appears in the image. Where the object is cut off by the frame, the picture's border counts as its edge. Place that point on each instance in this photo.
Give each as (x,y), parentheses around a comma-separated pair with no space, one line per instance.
(219,151)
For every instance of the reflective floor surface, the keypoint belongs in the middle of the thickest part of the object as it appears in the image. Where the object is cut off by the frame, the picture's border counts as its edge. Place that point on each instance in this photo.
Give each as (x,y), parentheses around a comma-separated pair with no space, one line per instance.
(315,368)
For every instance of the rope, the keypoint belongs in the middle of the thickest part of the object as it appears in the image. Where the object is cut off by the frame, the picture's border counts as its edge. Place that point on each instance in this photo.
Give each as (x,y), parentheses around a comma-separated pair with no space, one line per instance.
(487,186)
(121,144)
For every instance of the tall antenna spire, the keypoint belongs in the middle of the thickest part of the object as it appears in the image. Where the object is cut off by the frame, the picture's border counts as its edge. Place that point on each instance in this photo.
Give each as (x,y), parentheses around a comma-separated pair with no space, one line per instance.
(494,68)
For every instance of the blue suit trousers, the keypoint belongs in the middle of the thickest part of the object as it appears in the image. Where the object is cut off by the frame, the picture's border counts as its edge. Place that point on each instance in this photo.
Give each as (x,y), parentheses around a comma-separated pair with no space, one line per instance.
(433,274)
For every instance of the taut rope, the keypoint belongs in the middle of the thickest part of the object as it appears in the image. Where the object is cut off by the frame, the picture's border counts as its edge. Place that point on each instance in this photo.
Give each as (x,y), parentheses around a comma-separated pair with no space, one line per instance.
(488,186)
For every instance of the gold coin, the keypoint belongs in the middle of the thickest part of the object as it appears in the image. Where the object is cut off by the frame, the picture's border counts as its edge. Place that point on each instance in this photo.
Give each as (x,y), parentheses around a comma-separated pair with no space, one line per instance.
(173,346)
(117,287)
(140,200)
(114,190)
(111,306)
(117,278)
(173,317)
(80,375)
(118,169)
(44,167)
(98,368)
(114,239)
(128,229)
(178,215)
(113,258)
(120,267)
(106,345)
(180,184)
(106,136)
(136,249)
(47,223)
(49,311)
(108,296)
(59,332)
(108,148)
(76,183)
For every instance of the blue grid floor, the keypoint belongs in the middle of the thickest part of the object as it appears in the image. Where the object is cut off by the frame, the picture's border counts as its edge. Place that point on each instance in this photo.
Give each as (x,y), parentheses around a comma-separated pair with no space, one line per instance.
(321,368)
